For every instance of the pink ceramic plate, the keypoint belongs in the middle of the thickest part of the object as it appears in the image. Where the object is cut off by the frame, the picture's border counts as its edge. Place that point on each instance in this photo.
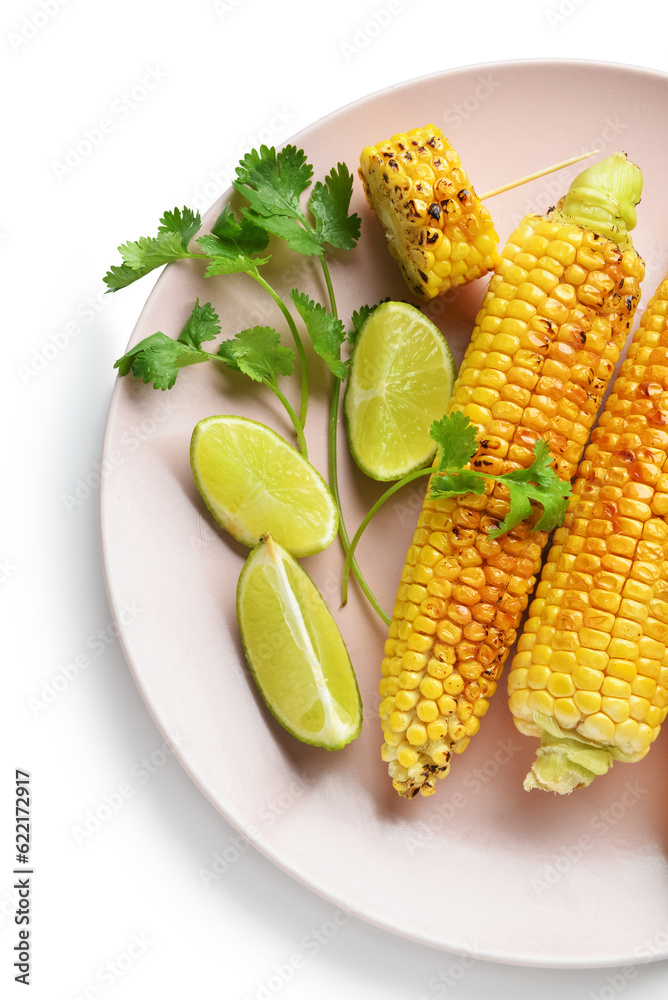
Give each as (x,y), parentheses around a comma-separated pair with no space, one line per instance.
(482,867)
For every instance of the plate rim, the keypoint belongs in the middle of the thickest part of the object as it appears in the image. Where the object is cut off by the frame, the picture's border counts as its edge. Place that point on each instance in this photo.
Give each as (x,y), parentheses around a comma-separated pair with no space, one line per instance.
(247,830)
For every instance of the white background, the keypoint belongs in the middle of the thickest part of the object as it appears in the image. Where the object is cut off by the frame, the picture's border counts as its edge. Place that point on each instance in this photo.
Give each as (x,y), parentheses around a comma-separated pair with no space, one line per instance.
(126,912)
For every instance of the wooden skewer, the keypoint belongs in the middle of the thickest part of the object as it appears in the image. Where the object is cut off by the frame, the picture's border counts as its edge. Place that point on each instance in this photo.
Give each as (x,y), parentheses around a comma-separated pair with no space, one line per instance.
(539,173)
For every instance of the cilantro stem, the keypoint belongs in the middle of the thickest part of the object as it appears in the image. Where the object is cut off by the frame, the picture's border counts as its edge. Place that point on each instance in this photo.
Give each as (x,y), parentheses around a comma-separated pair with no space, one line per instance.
(297,339)
(330,286)
(349,562)
(344,538)
(299,430)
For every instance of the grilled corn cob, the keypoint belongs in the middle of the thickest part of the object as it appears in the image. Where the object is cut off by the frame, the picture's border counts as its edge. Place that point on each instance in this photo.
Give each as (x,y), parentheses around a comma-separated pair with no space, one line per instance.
(437,229)
(543,350)
(591,673)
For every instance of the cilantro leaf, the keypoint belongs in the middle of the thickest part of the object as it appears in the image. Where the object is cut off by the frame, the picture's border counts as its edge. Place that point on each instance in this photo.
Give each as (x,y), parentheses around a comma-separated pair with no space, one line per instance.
(327,333)
(456,438)
(244,233)
(159,358)
(329,204)
(538,482)
(257,352)
(451,484)
(540,471)
(202,324)
(231,244)
(273,183)
(300,239)
(183,222)
(141,256)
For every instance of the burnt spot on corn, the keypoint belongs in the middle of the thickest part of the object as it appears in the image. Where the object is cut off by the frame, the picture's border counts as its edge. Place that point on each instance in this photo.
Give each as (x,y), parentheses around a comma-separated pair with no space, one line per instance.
(626,454)
(434,210)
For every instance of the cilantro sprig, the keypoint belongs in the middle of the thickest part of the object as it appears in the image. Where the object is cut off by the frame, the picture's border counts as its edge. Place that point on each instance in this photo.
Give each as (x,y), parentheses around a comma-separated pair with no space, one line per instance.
(456,445)
(256,352)
(274,186)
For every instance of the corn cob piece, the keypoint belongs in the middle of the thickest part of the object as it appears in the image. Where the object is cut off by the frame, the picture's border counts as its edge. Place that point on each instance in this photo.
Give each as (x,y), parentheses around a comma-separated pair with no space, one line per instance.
(438,231)
(542,353)
(591,673)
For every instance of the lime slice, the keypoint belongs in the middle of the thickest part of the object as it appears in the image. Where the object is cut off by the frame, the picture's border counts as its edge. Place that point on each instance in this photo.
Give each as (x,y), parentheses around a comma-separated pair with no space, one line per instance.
(400,380)
(254,482)
(295,650)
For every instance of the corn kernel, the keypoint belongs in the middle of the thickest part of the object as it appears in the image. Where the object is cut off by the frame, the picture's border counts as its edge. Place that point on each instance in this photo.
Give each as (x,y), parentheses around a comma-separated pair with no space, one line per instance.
(454,684)
(616,709)
(408,757)
(588,702)
(645,687)
(560,685)
(406,700)
(427,710)
(538,676)
(597,727)
(409,679)
(437,730)
(541,701)
(399,721)
(566,713)
(416,734)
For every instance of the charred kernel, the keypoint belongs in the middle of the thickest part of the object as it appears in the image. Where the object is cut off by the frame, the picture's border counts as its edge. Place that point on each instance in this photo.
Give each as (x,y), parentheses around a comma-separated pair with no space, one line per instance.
(443,211)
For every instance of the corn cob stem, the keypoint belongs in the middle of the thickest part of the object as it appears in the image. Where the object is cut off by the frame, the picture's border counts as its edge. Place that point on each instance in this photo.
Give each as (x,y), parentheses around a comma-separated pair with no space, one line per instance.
(546,341)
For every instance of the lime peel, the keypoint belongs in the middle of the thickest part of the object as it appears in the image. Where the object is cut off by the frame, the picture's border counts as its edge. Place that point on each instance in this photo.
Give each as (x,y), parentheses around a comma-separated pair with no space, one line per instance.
(400,380)
(253,482)
(287,631)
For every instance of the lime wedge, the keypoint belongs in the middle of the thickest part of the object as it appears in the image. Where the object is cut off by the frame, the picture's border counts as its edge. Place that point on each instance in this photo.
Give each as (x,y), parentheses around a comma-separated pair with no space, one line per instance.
(295,650)
(400,380)
(254,482)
